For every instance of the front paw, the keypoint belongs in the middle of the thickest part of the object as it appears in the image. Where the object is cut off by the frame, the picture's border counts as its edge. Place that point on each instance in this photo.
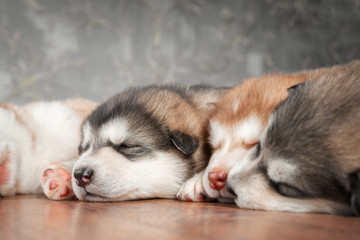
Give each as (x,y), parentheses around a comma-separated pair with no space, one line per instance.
(193,190)
(56,182)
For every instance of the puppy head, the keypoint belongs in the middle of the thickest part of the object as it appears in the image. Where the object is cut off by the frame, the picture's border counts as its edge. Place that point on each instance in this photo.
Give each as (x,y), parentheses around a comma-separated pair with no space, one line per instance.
(236,124)
(230,142)
(127,153)
(298,165)
(268,181)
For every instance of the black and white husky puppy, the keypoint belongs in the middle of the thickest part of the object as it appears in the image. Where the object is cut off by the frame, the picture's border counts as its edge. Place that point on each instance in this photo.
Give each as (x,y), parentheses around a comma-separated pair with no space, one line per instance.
(144,143)
(308,158)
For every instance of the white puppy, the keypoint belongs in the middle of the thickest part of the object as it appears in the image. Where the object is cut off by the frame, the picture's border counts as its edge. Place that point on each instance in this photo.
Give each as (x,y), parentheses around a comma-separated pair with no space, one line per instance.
(38,146)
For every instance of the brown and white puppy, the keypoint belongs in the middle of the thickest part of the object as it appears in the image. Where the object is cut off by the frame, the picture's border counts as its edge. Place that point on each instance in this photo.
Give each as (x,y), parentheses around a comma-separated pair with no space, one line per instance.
(32,137)
(144,143)
(236,124)
(308,158)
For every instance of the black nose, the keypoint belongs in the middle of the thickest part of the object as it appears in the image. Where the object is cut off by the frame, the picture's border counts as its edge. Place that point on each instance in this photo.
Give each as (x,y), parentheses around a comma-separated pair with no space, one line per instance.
(83,176)
(229,188)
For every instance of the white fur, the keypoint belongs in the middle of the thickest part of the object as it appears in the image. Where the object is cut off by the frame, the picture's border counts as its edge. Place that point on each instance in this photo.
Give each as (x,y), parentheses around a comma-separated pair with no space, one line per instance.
(253,191)
(116,131)
(281,170)
(247,131)
(236,104)
(86,132)
(57,136)
(50,134)
(218,133)
(10,128)
(12,135)
(117,178)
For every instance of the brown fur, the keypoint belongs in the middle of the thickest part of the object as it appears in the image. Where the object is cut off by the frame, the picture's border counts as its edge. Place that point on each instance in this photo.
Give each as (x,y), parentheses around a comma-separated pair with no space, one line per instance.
(82,107)
(183,117)
(190,118)
(4,171)
(259,96)
(16,109)
(13,109)
(308,158)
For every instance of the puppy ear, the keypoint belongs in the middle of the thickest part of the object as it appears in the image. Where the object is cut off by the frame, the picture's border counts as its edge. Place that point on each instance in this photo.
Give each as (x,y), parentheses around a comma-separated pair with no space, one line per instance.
(184,142)
(291,90)
(355,192)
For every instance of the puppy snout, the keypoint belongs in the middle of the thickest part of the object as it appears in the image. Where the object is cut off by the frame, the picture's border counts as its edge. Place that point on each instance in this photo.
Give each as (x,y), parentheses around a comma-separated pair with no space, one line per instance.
(83,176)
(229,188)
(217,179)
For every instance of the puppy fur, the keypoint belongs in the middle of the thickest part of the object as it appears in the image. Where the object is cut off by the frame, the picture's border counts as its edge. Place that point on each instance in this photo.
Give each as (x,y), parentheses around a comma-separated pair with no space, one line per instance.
(308,156)
(238,120)
(34,135)
(144,143)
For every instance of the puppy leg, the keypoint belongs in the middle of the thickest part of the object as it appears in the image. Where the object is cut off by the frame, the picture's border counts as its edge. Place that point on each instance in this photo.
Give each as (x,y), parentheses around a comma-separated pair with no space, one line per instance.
(9,158)
(355,192)
(56,181)
(193,190)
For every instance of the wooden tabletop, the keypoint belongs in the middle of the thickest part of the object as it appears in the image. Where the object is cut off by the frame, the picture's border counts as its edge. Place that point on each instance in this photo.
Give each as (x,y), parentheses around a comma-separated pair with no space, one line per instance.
(35,217)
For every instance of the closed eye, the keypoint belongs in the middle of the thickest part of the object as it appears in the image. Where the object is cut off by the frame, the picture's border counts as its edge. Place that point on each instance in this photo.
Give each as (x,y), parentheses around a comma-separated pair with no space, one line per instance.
(130,150)
(288,191)
(127,146)
(82,149)
(257,151)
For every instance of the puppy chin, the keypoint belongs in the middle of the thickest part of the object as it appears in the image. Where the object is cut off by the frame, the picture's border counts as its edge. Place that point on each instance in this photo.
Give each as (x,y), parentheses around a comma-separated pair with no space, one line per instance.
(83,195)
(80,192)
(225,194)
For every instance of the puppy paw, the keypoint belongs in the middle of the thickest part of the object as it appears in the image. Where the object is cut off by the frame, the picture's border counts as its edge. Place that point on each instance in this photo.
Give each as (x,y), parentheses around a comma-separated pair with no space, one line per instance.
(192,190)
(56,182)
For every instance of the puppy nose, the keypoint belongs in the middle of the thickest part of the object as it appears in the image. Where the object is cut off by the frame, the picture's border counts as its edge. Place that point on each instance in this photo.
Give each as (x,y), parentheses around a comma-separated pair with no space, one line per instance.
(217,179)
(229,189)
(83,176)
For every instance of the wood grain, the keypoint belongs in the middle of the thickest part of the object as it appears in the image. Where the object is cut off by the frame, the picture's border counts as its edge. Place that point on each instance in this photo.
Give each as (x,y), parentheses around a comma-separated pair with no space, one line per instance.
(35,217)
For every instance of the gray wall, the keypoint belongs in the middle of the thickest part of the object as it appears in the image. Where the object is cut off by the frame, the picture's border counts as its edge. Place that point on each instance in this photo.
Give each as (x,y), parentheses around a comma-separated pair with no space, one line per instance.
(56,49)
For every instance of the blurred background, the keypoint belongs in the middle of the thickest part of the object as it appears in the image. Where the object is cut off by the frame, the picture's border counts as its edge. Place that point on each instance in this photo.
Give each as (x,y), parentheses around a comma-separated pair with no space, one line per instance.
(56,49)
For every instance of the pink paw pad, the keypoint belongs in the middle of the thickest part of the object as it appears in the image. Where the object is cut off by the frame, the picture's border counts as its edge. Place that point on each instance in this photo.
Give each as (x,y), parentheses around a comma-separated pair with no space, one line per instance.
(56,182)
(188,198)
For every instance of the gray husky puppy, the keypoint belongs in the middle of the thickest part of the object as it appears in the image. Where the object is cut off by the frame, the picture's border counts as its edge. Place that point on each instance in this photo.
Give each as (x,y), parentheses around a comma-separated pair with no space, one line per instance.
(144,143)
(308,157)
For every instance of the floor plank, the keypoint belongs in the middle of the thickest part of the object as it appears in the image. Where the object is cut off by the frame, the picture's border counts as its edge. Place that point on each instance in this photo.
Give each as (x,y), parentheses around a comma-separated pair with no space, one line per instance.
(35,217)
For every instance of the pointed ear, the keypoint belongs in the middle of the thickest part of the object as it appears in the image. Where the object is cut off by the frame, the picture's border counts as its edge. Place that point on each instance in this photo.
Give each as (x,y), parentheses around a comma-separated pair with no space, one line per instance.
(355,192)
(291,90)
(184,142)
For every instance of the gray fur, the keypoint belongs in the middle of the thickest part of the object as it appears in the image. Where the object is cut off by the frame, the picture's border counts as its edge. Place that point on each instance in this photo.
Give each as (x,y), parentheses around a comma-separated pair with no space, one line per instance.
(148,130)
(318,129)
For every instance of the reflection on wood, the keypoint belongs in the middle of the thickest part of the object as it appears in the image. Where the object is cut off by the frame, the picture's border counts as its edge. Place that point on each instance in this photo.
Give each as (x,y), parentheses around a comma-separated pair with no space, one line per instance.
(35,217)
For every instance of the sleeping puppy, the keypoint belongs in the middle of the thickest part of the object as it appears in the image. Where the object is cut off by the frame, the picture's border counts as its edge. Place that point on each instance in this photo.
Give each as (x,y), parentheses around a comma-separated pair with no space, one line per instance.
(144,143)
(38,141)
(236,124)
(308,158)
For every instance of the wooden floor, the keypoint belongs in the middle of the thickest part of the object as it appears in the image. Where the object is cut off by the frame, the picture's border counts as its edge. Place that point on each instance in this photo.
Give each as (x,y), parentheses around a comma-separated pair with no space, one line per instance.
(34,217)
